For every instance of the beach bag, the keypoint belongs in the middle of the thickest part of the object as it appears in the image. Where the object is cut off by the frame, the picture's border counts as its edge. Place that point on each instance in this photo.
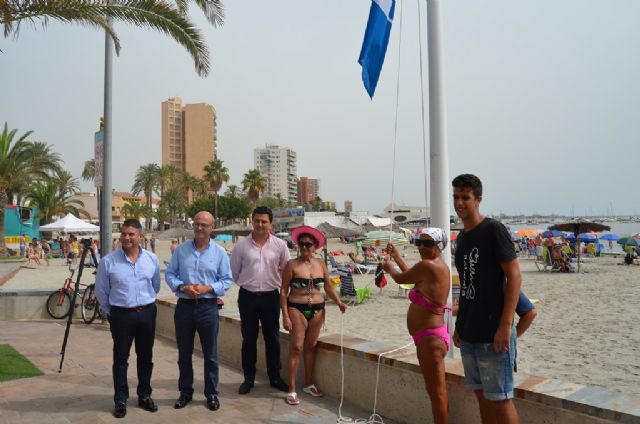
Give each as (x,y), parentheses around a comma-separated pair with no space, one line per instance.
(381,279)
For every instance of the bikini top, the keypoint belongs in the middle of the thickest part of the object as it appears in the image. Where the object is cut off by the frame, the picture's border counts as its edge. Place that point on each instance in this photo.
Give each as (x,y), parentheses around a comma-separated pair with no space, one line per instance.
(301,283)
(417,299)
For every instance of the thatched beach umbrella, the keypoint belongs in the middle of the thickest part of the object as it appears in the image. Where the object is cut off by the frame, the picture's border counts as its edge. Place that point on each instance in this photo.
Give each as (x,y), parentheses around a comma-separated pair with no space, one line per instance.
(331,231)
(175,233)
(580,226)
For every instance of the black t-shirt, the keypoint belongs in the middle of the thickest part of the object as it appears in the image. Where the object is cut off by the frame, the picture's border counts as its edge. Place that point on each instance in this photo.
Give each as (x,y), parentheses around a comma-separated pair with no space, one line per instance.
(479,253)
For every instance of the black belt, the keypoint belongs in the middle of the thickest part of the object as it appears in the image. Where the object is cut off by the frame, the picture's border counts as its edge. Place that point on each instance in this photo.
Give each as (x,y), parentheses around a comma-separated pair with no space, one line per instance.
(197,300)
(261,293)
(135,309)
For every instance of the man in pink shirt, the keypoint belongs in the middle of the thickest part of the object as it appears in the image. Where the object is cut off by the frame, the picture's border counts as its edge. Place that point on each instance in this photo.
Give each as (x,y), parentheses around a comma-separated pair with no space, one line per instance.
(257,263)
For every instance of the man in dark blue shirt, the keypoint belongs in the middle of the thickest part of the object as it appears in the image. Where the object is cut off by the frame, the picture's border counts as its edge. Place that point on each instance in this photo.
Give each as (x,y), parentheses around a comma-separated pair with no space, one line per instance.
(126,286)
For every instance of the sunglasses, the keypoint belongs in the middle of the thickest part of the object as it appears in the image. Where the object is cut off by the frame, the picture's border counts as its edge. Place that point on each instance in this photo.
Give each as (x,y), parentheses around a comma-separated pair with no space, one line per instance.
(425,243)
(306,244)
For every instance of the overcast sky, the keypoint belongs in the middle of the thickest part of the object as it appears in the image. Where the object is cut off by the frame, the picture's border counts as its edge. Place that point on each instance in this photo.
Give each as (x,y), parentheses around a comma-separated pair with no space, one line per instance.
(542,98)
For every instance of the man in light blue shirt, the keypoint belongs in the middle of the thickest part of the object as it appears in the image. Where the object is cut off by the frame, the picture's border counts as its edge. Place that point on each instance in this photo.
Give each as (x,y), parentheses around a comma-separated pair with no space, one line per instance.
(198,273)
(126,286)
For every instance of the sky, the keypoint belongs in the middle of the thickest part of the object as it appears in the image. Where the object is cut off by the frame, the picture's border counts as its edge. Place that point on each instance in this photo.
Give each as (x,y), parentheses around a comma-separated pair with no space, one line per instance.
(541,98)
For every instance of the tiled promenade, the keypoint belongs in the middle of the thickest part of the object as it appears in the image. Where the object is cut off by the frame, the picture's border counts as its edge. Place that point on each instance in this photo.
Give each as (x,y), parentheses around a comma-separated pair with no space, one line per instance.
(83,392)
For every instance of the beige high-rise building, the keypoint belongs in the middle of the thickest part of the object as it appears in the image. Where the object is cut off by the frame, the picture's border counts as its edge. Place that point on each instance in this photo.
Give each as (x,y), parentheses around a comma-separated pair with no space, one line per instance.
(189,138)
(308,190)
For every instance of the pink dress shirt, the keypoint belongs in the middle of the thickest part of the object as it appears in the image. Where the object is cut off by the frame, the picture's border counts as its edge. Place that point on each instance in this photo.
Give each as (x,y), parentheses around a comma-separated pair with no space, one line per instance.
(259,268)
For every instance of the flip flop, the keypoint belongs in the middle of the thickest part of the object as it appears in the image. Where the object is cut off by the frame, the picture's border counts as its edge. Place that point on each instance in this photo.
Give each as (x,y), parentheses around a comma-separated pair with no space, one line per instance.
(292,398)
(313,391)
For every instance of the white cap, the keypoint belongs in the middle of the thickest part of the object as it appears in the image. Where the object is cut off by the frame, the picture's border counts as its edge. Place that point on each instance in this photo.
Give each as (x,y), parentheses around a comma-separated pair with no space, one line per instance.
(437,234)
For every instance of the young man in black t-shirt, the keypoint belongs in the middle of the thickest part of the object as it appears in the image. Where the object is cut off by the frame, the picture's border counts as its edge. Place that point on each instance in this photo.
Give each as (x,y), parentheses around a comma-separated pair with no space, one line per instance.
(489,288)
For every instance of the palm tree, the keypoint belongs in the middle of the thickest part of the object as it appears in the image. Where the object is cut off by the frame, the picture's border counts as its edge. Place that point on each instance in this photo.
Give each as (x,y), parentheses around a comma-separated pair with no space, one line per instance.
(254,184)
(147,181)
(154,14)
(21,162)
(89,174)
(132,209)
(216,174)
(39,162)
(162,215)
(89,170)
(67,183)
(51,201)
(232,190)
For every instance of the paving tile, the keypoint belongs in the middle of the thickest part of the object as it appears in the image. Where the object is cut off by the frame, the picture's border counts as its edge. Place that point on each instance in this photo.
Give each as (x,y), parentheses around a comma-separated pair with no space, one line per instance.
(83,391)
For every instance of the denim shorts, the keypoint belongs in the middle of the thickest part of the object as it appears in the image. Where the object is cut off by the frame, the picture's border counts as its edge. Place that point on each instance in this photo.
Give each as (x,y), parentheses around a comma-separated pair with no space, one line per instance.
(488,370)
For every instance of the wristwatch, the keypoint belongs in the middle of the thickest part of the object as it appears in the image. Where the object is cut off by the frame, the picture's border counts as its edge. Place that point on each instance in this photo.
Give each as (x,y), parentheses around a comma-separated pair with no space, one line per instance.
(180,288)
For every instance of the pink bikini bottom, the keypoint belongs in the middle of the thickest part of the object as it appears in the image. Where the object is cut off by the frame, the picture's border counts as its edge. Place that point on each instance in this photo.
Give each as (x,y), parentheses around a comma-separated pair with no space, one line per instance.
(441,332)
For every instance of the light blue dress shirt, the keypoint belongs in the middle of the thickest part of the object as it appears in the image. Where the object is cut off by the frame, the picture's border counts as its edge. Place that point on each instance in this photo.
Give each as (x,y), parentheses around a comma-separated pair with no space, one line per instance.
(189,266)
(120,282)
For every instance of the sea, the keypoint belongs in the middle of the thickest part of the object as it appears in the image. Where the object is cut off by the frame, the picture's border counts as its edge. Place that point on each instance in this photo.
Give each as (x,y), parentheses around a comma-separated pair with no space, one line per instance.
(623,229)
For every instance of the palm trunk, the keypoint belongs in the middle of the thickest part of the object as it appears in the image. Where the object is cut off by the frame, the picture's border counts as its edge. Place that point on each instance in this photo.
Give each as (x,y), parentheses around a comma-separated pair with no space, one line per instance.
(3,202)
(216,207)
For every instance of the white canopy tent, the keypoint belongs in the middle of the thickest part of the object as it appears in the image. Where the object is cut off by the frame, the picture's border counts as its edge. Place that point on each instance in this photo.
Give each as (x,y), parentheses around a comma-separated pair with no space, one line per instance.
(70,224)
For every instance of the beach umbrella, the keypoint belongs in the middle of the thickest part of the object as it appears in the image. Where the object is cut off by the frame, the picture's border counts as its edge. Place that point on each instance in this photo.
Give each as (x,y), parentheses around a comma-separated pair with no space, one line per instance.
(381,238)
(526,232)
(588,237)
(175,233)
(553,233)
(629,241)
(580,226)
(610,236)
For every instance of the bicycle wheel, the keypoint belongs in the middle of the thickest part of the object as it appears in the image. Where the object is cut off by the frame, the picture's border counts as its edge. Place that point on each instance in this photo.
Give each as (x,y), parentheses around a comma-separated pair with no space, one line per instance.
(59,304)
(89,304)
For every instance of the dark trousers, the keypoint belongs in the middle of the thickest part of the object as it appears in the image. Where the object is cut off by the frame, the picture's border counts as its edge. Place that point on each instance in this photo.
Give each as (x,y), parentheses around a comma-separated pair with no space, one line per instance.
(258,310)
(127,326)
(203,318)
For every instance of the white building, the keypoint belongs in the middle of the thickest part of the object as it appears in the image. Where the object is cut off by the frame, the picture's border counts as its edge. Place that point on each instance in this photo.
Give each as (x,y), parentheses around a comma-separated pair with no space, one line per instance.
(407,215)
(279,166)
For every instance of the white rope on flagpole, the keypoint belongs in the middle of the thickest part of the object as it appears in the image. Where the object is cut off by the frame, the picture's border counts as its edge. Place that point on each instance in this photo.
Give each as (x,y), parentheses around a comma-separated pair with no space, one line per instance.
(424,133)
(374,418)
(395,125)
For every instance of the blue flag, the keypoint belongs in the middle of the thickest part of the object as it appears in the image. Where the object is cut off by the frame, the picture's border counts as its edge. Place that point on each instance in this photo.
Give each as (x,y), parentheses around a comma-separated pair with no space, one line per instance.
(376,38)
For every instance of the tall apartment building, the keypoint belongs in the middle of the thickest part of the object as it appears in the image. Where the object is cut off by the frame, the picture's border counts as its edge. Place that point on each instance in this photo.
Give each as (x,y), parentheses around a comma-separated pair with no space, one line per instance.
(189,138)
(348,207)
(279,166)
(308,190)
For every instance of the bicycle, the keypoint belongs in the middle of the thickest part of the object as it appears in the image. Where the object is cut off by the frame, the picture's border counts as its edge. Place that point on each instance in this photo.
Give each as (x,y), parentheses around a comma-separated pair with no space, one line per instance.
(59,302)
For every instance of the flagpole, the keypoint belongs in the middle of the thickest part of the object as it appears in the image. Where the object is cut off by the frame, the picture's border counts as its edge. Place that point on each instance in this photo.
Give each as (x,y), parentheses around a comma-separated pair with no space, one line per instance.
(105,200)
(439,157)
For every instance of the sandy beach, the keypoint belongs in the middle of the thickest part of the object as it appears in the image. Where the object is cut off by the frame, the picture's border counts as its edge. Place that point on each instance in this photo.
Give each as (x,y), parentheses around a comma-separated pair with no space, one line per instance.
(587,330)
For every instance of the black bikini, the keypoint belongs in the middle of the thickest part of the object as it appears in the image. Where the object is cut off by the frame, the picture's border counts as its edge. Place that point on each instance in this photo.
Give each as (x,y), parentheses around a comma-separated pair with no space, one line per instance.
(309,310)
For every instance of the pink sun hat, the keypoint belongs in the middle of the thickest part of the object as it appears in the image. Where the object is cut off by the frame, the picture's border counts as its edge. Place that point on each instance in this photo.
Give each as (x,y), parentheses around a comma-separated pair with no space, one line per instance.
(305,229)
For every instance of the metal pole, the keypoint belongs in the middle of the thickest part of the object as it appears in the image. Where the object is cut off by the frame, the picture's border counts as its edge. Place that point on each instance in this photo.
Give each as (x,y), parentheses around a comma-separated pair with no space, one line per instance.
(439,157)
(105,219)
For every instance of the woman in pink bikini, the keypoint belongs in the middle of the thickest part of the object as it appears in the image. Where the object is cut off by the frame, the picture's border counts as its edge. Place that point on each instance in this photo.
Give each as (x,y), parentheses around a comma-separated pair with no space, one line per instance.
(425,318)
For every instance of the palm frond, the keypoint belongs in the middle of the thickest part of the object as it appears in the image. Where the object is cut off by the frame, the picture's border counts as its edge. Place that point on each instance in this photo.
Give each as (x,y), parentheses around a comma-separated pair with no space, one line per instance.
(83,12)
(155,14)
(163,17)
(212,9)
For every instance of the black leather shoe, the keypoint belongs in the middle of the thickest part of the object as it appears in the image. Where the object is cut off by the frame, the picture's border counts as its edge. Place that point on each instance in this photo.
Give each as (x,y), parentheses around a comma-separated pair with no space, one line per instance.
(213,403)
(147,404)
(182,401)
(245,387)
(280,385)
(120,410)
